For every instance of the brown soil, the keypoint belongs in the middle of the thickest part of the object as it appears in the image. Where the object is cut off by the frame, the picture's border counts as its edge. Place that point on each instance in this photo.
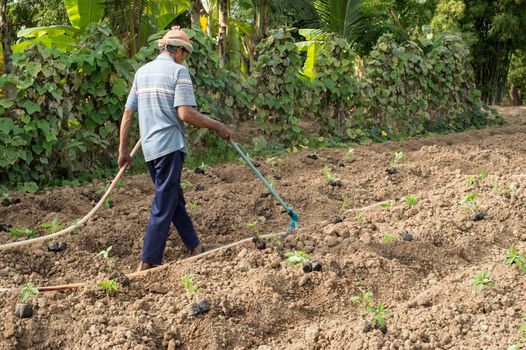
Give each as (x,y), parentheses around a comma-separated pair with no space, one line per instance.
(257,302)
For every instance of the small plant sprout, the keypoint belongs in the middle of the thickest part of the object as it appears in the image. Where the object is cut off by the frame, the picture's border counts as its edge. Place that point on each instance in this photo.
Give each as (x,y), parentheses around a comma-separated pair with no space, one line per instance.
(482,175)
(17,232)
(470,180)
(192,291)
(411,200)
(185,184)
(522,336)
(273,161)
(110,287)
(297,258)
(514,257)
(272,184)
(397,159)
(193,205)
(327,173)
(120,184)
(378,315)
(27,293)
(512,189)
(349,154)
(470,202)
(481,280)
(107,203)
(52,226)
(387,204)
(360,219)
(204,166)
(389,238)
(345,204)
(277,241)
(253,225)
(105,254)
(365,300)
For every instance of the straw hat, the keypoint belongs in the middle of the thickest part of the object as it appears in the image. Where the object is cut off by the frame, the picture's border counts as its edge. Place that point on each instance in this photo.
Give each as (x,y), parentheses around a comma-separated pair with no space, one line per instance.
(176,37)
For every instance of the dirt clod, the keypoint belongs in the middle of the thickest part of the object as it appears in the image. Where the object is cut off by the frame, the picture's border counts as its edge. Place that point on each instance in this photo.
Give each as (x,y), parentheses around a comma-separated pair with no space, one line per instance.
(24,310)
(57,247)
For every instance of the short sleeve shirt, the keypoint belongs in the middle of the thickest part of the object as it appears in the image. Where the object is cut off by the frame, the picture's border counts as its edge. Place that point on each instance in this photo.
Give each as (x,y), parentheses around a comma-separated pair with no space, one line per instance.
(159,87)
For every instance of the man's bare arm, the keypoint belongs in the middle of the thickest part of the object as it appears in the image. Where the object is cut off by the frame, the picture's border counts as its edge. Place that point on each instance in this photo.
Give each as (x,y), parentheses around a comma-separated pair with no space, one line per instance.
(193,117)
(124,154)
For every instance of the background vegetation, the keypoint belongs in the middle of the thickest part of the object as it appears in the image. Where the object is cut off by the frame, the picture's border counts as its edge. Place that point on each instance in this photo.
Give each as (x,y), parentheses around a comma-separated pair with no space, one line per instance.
(337,70)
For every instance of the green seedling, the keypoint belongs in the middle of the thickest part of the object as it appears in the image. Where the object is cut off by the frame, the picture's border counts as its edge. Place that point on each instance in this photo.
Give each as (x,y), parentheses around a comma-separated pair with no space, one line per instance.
(277,242)
(511,190)
(192,291)
(272,184)
(389,238)
(253,226)
(110,287)
(120,184)
(378,315)
(470,202)
(481,280)
(345,204)
(107,203)
(496,188)
(387,205)
(522,336)
(360,219)
(482,175)
(327,173)
(105,254)
(349,154)
(365,300)
(52,226)
(514,257)
(398,158)
(411,200)
(193,205)
(274,161)
(28,292)
(470,180)
(297,258)
(77,230)
(185,184)
(17,232)
(204,166)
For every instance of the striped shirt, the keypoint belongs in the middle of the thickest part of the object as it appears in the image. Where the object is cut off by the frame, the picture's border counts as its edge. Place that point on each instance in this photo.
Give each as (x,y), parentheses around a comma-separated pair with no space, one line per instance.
(159,87)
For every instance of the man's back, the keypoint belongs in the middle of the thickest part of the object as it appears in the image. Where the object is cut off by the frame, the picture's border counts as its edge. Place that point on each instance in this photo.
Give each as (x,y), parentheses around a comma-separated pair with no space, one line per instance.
(158,88)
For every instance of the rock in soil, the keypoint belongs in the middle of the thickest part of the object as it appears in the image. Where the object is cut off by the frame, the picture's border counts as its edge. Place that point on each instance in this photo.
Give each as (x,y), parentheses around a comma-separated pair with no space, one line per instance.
(24,310)
(199,170)
(259,243)
(336,183)
(57,247)
(312,156)
(479,216)
(198,308)
(199,187)
(337,220)
(120,277)
(316,266)
(407,237)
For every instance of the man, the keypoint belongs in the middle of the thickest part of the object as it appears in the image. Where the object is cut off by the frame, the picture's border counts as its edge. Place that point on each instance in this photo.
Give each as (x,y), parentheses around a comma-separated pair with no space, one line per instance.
(163,96)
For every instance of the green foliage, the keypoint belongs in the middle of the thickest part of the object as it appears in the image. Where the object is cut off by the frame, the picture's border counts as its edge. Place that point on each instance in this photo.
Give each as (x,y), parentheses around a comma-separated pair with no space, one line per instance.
(332,95)
(296,258)
(278,88)
(514,257)
(411,200)
(105,254)
(346,204)
(192,291)
(482,280)
(376,314)
(470,202)
(421,86)
(57,110)
(52,226)
(398,158)
(365,299)
(17,232)
(327,173)
(389,238)
(110,287)
(28,292)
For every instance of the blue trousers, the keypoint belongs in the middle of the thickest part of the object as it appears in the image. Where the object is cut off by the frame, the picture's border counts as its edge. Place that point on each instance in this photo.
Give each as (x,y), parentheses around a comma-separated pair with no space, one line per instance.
(168,207)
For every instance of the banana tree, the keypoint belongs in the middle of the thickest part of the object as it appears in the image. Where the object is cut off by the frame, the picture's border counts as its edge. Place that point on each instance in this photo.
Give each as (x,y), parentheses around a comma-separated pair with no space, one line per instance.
(133,20)
(343,17)
(5,48)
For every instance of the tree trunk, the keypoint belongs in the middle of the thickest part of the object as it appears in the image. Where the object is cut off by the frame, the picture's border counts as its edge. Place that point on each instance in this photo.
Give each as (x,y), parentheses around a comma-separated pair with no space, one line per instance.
(260,20)
(6,41)
(222,34)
